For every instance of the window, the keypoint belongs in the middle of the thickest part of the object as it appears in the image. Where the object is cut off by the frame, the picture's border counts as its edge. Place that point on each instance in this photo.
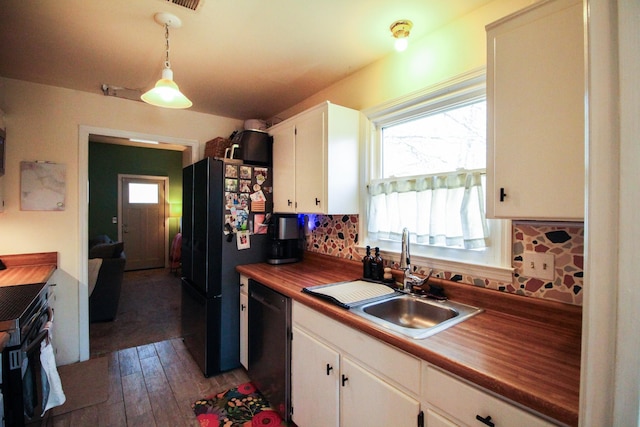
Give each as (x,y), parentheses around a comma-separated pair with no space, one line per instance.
(143,193)
(444,141)
(427,173)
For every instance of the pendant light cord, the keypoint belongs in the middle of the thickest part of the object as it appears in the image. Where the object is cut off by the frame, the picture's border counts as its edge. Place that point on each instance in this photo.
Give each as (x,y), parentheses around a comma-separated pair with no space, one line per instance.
(167,64)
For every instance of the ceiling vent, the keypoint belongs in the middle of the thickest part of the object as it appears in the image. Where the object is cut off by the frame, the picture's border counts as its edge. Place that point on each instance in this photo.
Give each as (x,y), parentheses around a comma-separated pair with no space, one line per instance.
(189,4)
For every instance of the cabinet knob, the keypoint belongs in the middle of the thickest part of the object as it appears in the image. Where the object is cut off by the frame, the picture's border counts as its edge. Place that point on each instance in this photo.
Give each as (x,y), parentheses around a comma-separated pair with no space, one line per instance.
(242,307)
(289,202)
(486,420)
(344,379)
(503,195)
(317,202)
(329,369)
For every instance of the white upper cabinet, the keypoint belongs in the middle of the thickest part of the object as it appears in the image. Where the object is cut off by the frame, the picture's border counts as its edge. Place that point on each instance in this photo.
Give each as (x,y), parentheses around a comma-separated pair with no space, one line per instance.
(315,161)
(536,109)
(284,167)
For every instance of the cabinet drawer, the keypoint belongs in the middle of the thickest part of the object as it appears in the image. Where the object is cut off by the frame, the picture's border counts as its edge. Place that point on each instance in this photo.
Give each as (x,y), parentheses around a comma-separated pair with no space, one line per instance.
(395,366)
(464,402)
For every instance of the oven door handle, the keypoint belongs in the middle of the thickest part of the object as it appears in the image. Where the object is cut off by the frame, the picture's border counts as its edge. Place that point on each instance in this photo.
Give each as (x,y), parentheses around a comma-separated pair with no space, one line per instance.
(43,334)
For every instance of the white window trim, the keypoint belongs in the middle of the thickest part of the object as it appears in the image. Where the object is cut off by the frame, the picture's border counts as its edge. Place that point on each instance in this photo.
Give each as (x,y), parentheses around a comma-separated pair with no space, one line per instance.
(466,88)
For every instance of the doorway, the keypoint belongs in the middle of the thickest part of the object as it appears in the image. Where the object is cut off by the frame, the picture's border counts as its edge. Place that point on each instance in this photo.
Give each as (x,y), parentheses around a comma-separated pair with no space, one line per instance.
(143,212)
(190,153)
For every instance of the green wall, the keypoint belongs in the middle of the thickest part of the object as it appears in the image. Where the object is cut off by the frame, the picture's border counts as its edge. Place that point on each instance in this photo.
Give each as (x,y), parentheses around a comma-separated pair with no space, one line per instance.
(106,161)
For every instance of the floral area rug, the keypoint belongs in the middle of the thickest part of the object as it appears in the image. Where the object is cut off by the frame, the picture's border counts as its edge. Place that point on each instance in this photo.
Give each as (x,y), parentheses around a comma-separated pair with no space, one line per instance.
(241,406)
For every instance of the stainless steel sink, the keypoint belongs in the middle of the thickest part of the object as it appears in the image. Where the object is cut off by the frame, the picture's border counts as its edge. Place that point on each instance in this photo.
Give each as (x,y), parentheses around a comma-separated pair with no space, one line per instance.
(414,316)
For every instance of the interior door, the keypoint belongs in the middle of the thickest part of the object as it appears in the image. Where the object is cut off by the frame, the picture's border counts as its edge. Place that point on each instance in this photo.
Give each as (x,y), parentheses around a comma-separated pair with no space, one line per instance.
(143,221)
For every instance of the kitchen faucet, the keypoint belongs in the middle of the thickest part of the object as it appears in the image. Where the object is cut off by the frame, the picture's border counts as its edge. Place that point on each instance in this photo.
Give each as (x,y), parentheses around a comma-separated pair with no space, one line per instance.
(409,280)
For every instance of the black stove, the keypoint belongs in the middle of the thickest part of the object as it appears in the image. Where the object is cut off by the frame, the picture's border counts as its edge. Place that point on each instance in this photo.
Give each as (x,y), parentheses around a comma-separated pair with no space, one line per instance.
(20,305)
(24,309)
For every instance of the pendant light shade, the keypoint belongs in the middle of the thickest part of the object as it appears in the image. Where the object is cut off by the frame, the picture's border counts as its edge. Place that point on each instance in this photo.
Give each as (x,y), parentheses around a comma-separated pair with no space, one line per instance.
(166,92)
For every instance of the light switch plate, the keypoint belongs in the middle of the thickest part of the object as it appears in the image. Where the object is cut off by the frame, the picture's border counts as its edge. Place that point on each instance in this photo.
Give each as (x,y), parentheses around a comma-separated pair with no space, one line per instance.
(539,265)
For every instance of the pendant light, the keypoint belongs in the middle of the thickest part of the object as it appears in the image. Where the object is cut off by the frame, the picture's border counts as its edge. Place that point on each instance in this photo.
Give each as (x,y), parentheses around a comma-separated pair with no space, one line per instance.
(166,92)
(400,31)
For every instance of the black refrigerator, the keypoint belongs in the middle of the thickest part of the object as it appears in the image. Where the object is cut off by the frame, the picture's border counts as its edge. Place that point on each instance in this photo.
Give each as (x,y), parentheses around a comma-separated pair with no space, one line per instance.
(226,205)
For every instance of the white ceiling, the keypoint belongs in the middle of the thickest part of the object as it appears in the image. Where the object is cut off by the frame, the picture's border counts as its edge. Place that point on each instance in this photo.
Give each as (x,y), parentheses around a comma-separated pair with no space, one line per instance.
(234,58)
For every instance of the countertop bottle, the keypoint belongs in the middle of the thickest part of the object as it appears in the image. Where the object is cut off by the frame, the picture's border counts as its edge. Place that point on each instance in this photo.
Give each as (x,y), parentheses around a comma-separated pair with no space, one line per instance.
(378,274)
(366,261)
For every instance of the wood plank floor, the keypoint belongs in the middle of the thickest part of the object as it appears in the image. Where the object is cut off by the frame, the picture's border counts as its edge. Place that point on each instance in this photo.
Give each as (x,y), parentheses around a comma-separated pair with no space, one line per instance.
(150,385)
(153,380)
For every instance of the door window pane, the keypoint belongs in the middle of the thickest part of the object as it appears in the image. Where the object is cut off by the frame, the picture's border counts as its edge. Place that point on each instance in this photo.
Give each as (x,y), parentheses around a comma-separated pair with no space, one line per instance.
(143,193)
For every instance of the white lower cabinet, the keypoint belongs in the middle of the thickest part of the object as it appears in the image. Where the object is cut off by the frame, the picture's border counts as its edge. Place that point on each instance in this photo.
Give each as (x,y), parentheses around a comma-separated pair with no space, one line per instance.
(315,377)
(368,400)
(450,402)
(244,321)
(341,377)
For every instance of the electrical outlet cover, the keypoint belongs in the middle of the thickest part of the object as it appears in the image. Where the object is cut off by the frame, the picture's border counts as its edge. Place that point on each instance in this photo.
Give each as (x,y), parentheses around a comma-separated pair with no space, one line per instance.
(547,266)
(539,265)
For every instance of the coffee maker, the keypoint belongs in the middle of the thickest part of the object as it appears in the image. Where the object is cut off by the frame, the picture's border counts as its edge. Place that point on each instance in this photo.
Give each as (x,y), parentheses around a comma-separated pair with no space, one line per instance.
(286,239)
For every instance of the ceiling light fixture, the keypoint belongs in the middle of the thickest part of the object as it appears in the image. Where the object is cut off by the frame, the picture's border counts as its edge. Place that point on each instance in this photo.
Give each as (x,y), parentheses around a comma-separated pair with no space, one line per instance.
(400,30)
(166,93)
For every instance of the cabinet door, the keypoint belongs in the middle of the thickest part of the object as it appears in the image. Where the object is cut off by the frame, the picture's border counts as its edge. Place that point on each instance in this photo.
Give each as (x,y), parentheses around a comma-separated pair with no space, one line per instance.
(284,158)
(314,382)
(367,400)
(535,100)
(311,161)
(244,330)
(463,402)
(434,419)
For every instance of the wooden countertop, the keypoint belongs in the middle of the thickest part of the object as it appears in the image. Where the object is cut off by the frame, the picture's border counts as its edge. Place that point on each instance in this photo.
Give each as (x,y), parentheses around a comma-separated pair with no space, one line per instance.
(525,349)
(24,269)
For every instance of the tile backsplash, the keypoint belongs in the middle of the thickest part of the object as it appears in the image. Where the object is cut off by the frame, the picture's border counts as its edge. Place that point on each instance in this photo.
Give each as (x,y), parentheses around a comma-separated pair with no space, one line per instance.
(337,235)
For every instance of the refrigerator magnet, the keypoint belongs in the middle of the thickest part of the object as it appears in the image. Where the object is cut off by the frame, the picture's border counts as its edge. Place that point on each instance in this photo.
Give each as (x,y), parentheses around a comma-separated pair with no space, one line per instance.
(258,206)
(245,172)
(258,196)
(261,175)
(243,201)
(230,184)
(230,171)
(245,185)
(259,226)
(231,200)
(242,239)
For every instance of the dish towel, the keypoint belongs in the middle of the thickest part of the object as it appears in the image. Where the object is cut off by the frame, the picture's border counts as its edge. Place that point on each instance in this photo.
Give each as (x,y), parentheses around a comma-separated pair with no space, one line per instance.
(52,393)
(29,397)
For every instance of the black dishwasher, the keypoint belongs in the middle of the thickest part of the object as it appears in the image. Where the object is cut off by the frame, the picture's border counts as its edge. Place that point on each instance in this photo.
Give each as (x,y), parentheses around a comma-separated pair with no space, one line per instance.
(270,346)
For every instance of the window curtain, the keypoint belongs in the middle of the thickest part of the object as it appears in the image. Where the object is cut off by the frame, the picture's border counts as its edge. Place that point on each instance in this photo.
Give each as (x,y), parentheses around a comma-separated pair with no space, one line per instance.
(443,210)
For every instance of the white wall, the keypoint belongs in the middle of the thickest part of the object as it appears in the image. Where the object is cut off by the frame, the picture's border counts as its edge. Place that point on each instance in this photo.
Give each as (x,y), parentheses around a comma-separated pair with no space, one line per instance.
(42,123)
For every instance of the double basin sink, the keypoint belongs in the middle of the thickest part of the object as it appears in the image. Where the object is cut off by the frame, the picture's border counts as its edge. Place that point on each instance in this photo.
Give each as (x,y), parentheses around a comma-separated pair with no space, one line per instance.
(414,316)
